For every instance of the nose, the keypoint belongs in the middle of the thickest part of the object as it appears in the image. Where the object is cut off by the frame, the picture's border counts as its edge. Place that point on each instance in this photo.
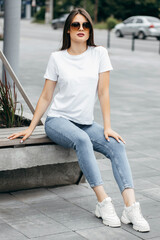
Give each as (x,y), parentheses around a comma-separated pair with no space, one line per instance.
(81,27)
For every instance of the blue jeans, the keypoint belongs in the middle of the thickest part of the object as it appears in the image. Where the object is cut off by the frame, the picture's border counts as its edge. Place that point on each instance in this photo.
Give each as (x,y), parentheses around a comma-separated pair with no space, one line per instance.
(86,138)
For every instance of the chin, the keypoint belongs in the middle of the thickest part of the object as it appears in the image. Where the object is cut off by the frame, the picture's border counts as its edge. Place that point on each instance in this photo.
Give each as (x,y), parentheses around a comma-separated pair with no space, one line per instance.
(81,39)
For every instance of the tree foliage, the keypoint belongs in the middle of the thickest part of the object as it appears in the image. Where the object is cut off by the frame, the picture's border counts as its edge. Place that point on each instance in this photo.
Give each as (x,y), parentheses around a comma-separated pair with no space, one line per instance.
(124,9)
(64,6)
(40,15)
(117,8)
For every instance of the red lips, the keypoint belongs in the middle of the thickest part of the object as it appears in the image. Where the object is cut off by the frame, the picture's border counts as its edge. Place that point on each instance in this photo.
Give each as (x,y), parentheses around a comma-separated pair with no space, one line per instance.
(80,34)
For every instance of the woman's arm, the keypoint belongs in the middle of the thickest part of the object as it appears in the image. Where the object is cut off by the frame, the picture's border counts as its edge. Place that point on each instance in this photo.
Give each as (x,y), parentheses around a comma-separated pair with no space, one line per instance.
(42,105)
(103,95)
(43,102)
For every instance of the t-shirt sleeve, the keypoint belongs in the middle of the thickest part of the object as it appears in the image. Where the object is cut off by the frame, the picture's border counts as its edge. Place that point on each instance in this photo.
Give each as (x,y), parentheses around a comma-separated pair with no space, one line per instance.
(51,70)
(105,63)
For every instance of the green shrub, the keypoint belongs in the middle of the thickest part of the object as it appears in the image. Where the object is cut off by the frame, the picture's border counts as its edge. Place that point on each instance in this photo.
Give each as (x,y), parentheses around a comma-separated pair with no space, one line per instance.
(111,22)
(8,105)
(40,15)
(100,25)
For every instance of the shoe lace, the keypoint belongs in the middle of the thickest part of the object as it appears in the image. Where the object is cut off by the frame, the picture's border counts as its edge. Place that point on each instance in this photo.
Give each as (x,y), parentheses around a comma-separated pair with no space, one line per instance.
(109,206)
(138,213)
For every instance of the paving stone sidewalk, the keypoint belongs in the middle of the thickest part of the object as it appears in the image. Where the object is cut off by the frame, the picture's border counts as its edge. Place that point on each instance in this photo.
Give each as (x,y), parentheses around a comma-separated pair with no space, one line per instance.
(67,212)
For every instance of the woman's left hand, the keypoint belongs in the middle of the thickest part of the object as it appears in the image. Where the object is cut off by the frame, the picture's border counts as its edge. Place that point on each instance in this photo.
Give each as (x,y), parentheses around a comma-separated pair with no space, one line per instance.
(110,133)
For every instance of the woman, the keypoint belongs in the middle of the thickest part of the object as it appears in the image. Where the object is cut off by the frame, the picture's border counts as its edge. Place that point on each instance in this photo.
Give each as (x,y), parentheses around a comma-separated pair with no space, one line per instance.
(82,71)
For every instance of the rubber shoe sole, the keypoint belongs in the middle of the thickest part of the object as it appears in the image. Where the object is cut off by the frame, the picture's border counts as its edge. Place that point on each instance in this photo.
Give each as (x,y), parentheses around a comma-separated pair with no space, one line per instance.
(107,222)
(135,227)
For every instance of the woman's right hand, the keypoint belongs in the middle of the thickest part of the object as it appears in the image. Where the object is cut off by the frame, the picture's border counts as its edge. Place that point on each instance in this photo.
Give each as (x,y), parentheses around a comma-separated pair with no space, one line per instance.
(26,133)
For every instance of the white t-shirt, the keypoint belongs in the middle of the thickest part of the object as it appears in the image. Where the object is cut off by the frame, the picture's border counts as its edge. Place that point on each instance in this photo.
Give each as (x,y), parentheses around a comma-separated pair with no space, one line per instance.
(77,77)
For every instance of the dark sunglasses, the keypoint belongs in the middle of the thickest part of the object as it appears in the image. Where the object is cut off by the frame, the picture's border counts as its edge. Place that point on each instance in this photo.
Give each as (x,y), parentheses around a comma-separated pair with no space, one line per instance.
(76,26)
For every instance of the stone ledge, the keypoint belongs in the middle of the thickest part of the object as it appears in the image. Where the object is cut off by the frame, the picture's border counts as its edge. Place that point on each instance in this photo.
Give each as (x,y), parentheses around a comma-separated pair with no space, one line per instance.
(26,167)
(40,155)
(41,176)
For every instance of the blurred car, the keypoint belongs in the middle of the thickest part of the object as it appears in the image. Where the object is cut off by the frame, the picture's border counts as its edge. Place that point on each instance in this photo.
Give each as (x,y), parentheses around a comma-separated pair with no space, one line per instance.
(141,26)
(59,22)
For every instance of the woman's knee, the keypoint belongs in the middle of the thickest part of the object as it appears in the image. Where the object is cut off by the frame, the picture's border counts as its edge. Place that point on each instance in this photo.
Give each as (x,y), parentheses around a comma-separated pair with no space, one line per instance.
(120,146)
(115,148)
(83,140)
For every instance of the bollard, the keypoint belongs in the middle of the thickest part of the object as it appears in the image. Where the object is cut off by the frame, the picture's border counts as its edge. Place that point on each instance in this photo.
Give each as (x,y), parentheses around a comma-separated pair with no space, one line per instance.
(133,41)
(108,39)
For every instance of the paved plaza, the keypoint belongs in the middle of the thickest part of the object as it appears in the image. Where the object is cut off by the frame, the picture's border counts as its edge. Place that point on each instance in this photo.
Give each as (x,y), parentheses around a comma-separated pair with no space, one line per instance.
(67,212)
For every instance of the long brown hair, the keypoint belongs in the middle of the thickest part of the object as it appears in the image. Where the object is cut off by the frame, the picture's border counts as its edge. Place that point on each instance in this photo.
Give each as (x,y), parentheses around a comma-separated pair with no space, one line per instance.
(66,37)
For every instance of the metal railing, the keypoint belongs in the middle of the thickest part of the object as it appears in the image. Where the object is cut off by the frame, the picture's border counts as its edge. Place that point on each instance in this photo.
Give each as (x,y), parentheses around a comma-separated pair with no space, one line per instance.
(17,82)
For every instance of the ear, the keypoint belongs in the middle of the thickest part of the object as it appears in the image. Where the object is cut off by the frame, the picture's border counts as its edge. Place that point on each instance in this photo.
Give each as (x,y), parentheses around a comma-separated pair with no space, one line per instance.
(68,31)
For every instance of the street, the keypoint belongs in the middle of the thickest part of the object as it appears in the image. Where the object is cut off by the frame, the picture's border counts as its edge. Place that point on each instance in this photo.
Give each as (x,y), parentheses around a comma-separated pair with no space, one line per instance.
(29,31)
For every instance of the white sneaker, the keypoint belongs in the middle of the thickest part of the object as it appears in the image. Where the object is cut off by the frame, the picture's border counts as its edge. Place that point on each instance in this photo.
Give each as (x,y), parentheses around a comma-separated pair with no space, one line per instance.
(106,211)
(133,215)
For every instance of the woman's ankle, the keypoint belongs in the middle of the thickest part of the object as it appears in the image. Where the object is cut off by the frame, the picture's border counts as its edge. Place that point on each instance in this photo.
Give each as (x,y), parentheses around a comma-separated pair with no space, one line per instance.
(102,198)
(100,193)
(128,197)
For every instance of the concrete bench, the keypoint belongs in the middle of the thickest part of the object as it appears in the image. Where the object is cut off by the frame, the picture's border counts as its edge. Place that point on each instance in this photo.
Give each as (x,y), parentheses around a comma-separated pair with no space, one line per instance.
(38,162)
